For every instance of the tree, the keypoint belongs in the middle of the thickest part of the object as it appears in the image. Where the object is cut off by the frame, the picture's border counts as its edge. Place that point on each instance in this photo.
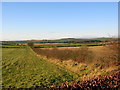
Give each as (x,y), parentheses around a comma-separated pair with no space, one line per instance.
(30,44)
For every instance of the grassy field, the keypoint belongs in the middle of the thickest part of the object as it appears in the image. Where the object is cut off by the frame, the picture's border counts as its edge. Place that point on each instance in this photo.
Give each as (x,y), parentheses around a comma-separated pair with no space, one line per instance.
(42,67)
(51,45)
(11,46)
(67,45)
(23,69)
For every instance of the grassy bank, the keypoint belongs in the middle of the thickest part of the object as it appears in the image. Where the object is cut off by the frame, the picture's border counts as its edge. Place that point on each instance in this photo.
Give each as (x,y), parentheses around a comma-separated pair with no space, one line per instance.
(103,56)
(86,62)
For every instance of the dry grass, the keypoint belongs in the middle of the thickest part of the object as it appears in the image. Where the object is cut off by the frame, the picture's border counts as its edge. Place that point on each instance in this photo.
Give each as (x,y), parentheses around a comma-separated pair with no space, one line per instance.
(81,55)
(100,56)
(86,62)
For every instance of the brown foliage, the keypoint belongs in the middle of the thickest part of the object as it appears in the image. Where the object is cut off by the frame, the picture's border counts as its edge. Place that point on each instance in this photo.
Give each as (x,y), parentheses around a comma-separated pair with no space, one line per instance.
(30,44)
(110,82)
(114,48)
(104,57)
(79,54)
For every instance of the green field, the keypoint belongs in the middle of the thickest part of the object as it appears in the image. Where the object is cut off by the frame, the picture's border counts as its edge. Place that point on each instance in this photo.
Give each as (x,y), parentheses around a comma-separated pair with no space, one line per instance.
(21,68)
(67,42)
(67,45)
(52,46)
(25,67)
(11,46)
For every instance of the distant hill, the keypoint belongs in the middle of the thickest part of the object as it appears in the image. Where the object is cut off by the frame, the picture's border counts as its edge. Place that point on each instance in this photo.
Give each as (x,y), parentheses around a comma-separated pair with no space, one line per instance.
(63,40)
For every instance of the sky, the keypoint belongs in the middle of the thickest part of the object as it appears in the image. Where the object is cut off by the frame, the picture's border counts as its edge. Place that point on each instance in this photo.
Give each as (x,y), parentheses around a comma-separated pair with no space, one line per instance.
(54,20)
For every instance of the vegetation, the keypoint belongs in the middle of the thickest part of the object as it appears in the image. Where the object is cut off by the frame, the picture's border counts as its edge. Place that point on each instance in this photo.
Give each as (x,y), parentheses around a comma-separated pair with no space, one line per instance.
(30,44)
(31,66)
(86,62)
(78,54)
(64,40)
(110,82)
(11,46)
(23,69)
(67,45)
(104,57)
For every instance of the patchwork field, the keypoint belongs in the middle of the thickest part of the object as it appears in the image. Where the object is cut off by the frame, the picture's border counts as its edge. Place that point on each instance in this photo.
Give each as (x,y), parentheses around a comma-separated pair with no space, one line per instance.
(58,67)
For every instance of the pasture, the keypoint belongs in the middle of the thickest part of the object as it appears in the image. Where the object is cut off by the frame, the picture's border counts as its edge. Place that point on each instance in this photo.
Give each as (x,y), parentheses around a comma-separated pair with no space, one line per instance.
(21,68)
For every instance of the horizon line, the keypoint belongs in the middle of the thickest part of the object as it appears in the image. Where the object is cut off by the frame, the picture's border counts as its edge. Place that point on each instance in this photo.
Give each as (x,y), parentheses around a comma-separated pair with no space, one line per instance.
(61,38)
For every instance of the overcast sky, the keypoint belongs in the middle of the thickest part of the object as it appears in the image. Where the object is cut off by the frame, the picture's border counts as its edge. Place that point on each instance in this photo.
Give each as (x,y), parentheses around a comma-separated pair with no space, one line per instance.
(53,20)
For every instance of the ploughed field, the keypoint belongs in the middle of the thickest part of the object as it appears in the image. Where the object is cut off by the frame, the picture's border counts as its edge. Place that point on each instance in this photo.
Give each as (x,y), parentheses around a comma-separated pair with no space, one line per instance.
(21,68)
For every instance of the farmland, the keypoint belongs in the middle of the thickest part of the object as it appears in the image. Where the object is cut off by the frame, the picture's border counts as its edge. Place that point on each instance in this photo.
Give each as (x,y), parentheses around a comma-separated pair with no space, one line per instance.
(45,66)
(62,45)
(85,61)
(22,69)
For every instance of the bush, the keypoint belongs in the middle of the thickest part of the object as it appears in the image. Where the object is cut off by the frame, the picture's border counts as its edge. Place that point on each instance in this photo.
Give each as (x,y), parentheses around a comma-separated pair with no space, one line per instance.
(30,44)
